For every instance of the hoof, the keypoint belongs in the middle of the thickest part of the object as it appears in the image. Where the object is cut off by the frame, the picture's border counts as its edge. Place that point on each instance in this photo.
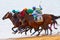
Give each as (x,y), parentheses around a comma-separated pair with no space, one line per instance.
(18,32)
(31,34)
(37,35)
(43,35)
(56,28)
(13,32)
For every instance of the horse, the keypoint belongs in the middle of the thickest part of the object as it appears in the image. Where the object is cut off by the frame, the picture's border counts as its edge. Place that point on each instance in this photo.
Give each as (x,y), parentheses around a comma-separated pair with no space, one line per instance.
(8,16)
(54,20)
(34,25)
(30,20)
(16,22)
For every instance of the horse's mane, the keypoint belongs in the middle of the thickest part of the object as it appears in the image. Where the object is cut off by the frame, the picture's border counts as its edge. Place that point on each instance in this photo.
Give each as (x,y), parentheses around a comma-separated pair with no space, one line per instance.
(11,13)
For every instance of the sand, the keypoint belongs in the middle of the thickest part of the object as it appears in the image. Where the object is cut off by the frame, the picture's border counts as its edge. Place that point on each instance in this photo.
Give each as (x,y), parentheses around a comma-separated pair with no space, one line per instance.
(54,37)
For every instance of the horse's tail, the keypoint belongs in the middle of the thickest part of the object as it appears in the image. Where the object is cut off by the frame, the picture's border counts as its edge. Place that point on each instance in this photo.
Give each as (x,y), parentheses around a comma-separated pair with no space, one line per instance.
(54,17)
(54,20)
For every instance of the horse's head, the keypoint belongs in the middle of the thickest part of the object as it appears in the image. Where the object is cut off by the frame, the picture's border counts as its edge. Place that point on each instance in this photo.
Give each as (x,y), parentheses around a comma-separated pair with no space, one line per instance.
(7,15)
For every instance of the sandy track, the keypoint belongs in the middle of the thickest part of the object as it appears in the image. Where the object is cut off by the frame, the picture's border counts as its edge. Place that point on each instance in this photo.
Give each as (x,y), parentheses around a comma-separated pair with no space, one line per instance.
(38,38)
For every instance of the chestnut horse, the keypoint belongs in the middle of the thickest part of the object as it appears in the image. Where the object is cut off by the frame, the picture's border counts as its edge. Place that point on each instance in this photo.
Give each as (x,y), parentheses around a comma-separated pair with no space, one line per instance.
(33,24)
(47,20)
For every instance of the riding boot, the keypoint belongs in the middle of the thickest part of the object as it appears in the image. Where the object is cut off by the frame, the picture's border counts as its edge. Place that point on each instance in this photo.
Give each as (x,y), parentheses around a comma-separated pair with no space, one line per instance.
(35,18)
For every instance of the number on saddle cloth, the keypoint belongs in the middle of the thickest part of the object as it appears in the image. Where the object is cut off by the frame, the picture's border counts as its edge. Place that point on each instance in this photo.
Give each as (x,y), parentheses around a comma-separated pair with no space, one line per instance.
(39,18)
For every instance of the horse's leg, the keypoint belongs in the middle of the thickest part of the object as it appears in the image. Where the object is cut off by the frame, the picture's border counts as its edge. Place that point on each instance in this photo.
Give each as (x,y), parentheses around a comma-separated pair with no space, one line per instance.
(25,32)
(14,30)
(54,26)
(47,31)
(50,31)
(39,31)
(20,29)
(50,26)
(33,32)
(54,22)
(30,29)
(26,29)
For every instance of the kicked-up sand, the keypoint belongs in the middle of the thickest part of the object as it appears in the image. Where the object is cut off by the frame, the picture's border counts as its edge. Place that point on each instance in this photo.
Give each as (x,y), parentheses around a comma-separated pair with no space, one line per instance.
(54,37)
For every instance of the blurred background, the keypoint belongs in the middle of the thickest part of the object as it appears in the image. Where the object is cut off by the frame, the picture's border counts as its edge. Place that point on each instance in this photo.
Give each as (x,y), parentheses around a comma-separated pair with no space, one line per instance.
(49,7)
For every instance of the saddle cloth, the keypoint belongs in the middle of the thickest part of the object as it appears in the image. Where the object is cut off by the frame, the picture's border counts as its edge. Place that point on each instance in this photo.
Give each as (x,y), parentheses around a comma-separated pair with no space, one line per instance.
(39,18)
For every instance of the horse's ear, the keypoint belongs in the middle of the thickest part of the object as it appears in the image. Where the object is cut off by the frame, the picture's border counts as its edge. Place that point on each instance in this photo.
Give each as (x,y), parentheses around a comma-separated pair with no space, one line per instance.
(7,12)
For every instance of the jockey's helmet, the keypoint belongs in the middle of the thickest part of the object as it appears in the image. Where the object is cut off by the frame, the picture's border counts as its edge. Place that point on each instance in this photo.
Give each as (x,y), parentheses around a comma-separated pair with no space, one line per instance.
(13,11)
(34,8)
(25,9)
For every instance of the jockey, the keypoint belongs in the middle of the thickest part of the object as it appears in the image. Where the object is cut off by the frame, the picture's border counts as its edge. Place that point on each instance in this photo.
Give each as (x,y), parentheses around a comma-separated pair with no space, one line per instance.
(21,15)
(15,11)
(29,11)
(34,13)
(37,12)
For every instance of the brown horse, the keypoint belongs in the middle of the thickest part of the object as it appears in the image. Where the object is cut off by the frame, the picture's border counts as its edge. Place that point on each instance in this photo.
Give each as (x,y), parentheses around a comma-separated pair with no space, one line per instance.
(54,20)
(47,20)
(16,22)
(8,15)
(30,20)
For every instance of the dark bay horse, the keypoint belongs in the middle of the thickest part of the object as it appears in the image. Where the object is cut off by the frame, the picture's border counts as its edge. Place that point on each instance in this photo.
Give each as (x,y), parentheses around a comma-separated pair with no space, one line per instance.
(15,21)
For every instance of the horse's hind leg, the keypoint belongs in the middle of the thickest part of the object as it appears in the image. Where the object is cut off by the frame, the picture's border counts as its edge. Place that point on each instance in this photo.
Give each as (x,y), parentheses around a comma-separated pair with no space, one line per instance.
(50,31)
(14,32)
(54,26)
(47,31)
(55,22)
